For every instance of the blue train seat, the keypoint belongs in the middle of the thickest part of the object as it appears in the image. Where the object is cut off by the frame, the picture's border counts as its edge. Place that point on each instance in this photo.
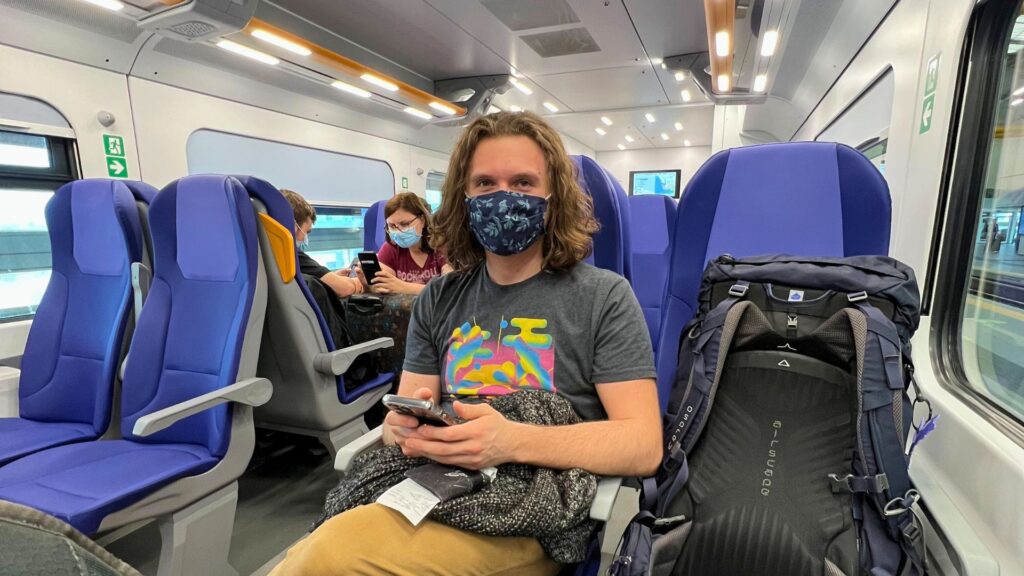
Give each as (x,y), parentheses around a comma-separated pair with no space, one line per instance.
(77,338)
(800,198)
(299,354)
(611,209)
(373,226)
(653,217)
(194,351)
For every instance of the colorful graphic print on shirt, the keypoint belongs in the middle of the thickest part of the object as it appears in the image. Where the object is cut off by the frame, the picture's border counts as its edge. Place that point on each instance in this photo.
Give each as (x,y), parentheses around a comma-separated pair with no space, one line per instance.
(486,363)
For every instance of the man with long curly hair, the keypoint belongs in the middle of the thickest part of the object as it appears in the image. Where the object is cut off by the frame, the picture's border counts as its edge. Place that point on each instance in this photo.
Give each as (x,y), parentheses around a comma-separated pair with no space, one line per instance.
(520,311)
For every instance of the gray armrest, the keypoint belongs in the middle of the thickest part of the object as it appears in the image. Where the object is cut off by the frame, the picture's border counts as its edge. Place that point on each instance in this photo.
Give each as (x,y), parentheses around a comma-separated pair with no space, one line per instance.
(604,500)
(142,277)
(338,362)
(251,392)
(9,379)
(348,452)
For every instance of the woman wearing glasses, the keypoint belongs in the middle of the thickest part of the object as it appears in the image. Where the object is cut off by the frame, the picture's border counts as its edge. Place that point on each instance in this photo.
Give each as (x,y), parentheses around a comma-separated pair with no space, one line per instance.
(407,260)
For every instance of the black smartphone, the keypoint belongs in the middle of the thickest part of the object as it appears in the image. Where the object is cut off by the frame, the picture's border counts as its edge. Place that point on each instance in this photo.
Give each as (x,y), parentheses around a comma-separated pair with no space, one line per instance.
(370,265)
(423,410)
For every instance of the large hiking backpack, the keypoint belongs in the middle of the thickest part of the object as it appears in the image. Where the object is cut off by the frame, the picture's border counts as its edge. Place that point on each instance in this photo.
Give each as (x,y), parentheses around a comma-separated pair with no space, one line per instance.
(787,426)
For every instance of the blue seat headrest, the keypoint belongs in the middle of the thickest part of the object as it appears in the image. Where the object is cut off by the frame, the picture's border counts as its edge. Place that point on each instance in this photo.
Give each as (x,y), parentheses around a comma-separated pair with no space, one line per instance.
(373,227)
(76,336)
(611,209)
(801,198)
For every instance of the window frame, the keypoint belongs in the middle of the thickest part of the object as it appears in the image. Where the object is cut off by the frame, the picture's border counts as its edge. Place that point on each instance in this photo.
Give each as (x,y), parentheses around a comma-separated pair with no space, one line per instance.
(63,165)
(317,205)
(63,169)
(967,156)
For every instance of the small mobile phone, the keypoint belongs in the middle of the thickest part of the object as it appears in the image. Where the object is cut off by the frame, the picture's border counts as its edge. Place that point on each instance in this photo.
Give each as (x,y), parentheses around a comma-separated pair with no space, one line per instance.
(423,410)
(370,264)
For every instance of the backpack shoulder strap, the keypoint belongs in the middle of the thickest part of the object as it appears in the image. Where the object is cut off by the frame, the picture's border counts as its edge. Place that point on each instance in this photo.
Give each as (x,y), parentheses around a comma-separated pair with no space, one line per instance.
(701,360)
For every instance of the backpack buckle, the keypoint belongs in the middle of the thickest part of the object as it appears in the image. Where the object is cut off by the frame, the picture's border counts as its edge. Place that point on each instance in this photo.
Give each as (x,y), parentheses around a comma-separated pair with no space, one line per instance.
(739,290)
(851,484)
(670,521)
(899,506)
(622,561)
(857,297)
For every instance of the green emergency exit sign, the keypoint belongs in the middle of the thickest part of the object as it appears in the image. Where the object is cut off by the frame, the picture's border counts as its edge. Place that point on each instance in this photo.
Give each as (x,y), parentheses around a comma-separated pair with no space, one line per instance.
(116,167)
(113,147)
(931,82)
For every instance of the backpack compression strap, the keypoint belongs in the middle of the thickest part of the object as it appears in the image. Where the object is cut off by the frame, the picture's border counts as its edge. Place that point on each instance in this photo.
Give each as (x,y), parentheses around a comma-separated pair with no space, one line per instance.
(881,469)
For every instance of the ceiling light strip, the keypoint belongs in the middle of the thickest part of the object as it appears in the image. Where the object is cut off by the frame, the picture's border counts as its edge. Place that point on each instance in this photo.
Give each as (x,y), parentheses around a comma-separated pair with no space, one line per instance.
(720,19)
(330,60)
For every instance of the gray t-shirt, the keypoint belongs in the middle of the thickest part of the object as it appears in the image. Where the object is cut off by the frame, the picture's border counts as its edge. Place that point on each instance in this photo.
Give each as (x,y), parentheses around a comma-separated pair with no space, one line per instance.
(558,331)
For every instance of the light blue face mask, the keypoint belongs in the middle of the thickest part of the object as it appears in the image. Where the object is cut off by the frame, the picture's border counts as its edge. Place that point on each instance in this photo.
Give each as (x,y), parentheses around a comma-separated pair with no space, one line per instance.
(304,245)
(405,238)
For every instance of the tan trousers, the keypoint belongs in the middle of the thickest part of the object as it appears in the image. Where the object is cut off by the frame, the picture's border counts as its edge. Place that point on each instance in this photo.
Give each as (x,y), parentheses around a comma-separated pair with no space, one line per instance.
(375,540)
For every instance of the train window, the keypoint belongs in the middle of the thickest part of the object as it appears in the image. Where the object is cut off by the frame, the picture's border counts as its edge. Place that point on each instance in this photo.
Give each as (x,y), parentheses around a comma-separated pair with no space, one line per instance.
(981,306)
(24,150)
(31,167)
(435,180)
(337,237)
(993,312)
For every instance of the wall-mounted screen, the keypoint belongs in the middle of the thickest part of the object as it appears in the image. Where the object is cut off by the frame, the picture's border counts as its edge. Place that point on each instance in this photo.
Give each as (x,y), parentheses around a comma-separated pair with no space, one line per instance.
(664,182)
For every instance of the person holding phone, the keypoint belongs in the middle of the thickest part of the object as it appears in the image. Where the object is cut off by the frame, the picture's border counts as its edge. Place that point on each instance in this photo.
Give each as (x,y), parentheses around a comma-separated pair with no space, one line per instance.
(520,311)
(407,261)
(339,281)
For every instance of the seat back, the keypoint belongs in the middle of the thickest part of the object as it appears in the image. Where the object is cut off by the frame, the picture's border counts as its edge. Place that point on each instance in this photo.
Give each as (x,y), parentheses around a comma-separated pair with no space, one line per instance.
(653,217)
(200,314)
(305,399)
(373,226)
(611,209)
(800,198)
(76,340)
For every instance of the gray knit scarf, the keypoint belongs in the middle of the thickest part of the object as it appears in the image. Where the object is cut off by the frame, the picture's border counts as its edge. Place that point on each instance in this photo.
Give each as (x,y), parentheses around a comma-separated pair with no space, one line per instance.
(552,506)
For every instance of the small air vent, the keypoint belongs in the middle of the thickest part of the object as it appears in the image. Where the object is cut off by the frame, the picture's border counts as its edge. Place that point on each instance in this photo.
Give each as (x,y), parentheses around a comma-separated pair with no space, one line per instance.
(529,14)
(562,43)
(192,29)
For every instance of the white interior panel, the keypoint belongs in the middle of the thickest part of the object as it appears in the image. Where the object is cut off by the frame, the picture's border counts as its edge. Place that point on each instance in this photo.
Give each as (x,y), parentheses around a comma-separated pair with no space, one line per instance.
(669,27)
(413,34)
(605,21)
(868,117)
(605,89)
(318,175)
(74,30)
(686,160)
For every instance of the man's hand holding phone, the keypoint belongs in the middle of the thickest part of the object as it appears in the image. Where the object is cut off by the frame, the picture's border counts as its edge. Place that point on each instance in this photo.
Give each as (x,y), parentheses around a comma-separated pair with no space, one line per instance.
(403,426)
(482,439)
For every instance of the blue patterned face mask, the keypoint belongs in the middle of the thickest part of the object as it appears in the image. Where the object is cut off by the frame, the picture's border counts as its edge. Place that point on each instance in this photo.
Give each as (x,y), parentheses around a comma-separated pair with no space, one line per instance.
(506,223)
(304,245)
(405,238)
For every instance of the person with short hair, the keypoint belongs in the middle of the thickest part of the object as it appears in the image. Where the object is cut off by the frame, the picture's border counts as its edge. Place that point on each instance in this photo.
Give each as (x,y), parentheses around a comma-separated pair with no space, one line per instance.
(520,311)
(338,281)
(407,260)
